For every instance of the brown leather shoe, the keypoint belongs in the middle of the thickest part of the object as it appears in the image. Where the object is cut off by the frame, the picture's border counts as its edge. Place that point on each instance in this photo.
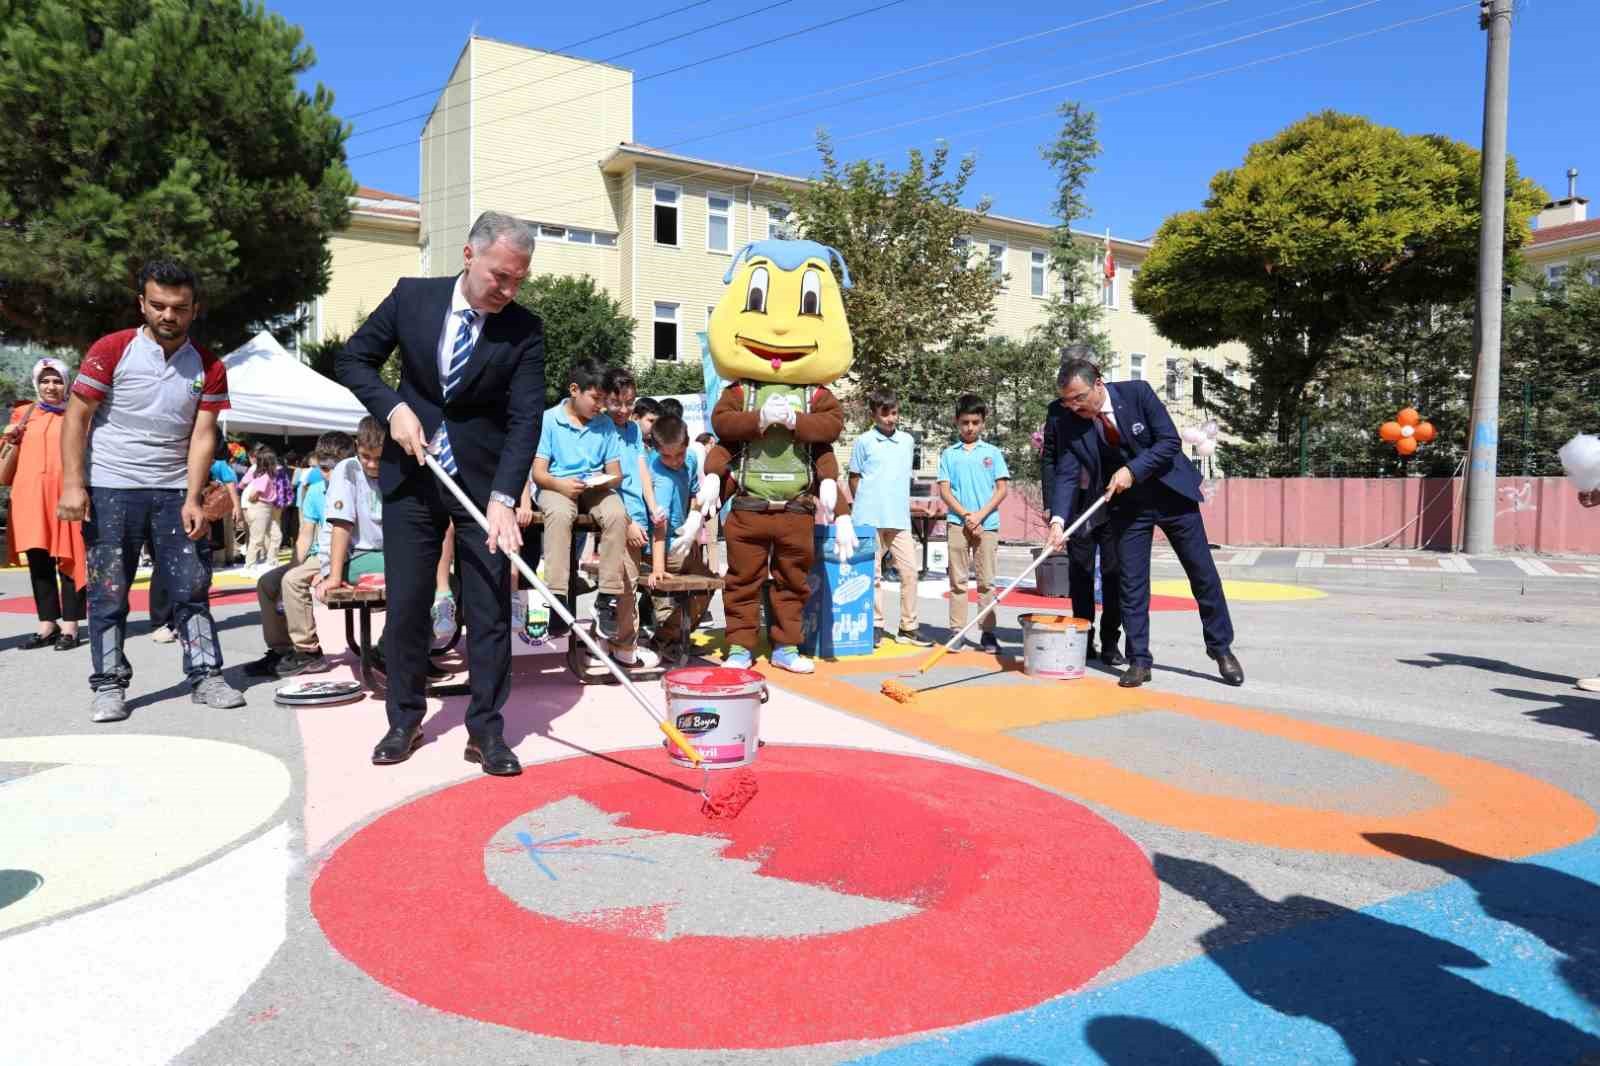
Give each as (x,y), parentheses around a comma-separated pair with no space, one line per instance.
(1134,676)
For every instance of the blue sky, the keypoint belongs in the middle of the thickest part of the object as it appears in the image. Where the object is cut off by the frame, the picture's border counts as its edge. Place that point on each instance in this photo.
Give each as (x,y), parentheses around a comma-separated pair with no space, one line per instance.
(1160,148)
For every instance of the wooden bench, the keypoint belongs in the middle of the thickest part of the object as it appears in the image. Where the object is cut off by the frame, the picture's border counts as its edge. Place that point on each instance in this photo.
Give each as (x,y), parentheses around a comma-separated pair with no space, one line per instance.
(679,587)
(359,602)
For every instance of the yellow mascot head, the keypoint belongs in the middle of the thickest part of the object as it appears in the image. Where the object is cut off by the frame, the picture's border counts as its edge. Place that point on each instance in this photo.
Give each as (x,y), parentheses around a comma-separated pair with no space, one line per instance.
(782,317)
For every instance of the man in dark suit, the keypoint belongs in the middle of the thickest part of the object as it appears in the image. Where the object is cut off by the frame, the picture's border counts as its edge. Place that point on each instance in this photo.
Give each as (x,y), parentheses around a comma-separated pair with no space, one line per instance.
(471,391)
(1096,536)
(1120,436)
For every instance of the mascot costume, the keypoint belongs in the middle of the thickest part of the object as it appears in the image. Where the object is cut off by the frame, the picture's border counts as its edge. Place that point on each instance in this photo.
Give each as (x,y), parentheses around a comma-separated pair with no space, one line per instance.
(778,337)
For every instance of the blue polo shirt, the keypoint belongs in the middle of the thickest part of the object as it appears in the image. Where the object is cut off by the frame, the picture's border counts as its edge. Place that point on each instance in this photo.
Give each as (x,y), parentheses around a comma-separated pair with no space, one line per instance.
(630,447)
(883,499)
(573,450)
(674,490)
(221,471)
(314,509)
(972,474)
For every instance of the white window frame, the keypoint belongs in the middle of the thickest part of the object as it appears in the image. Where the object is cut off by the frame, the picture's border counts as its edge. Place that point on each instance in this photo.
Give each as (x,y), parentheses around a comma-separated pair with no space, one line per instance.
(1136,366)
(964,246)
(711,213)
(580,236)
(780,226)
(1555,272)
(997,263)
(1172,383)
(676,319)
(605,240)
(656,189)
(1038,273)
(1108,286)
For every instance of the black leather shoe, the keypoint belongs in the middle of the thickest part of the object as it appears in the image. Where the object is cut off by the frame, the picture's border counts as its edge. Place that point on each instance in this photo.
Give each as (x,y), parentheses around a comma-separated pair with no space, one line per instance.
(1229,668)
(494,755)
(1134,676)
(1112,657)
(396,746)
(42,640)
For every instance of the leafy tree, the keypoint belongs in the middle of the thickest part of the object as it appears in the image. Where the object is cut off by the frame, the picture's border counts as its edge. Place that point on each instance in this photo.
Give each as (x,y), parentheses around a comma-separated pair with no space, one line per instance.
(671,379)
(320,356)
(16,370)
(1017,378)
(916,288)
(1550,371)
(579,320)
(140,129)
(1073,313)
(1326,229)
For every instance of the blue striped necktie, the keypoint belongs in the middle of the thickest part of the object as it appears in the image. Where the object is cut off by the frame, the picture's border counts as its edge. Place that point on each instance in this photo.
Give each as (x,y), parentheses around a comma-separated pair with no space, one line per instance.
(460,355)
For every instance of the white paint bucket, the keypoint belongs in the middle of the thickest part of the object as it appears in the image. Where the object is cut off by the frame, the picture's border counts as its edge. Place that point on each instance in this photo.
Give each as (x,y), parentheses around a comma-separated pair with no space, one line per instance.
(719,710)
(1054,645)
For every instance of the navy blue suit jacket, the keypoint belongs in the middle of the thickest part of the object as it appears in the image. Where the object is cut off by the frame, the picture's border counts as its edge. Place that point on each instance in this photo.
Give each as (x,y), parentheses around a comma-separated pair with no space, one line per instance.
(1153,449)
(494,414)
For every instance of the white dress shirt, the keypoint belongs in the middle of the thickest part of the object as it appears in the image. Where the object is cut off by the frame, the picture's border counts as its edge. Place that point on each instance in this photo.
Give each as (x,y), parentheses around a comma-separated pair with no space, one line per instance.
(1107,413)
(452,326)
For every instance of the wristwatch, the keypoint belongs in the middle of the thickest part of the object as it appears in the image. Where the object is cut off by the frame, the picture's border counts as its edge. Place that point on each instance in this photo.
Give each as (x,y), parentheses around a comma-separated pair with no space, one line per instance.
(502,498)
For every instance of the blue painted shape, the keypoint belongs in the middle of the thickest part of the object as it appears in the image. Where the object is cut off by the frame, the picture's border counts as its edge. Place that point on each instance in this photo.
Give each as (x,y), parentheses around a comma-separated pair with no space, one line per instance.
(1501,965)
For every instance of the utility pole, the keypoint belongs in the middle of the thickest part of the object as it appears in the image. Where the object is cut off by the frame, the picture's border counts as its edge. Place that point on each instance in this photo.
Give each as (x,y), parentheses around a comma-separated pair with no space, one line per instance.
(1495,17)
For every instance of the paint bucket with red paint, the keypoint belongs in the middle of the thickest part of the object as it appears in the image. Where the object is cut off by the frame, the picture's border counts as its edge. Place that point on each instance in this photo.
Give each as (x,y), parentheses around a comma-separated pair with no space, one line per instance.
(1054,645)
(719,710)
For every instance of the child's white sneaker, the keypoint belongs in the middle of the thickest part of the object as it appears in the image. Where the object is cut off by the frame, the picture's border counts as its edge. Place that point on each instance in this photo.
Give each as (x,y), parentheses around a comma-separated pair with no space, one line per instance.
(633,656)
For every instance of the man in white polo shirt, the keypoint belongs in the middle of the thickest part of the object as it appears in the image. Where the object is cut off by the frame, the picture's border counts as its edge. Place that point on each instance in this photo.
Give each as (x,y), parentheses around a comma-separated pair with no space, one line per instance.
(142,421)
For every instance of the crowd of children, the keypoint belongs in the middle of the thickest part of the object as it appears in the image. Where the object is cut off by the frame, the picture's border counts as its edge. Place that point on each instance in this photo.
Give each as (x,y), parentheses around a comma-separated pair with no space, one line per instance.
(628,462)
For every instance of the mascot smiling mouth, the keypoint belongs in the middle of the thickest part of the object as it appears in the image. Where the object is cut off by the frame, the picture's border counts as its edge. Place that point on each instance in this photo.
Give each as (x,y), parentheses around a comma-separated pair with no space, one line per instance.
(777,355)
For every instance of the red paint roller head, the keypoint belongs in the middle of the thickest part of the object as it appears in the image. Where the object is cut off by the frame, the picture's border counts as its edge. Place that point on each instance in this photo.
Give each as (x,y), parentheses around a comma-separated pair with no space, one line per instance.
(728,800)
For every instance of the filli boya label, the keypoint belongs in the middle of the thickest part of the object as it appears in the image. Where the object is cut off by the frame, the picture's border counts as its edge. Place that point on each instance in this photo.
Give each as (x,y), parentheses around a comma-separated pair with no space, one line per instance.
(698,720)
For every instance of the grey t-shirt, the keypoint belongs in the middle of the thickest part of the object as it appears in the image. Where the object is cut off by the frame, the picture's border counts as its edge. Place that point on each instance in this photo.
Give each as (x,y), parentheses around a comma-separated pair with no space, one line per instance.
(355,498)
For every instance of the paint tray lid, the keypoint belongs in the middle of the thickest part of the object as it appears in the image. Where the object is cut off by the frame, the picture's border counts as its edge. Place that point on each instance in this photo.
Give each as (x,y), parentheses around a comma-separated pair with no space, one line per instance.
(714,681)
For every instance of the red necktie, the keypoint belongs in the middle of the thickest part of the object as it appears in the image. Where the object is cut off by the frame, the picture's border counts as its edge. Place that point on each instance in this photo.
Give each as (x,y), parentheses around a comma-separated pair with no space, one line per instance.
(1113,438)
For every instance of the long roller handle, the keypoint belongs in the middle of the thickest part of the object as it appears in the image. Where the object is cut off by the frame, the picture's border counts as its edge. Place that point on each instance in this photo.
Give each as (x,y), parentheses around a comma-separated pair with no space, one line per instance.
(953,641)
(672,732)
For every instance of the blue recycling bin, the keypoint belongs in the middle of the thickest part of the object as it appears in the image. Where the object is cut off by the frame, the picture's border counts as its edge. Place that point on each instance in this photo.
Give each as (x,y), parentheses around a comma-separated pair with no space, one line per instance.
(838,614)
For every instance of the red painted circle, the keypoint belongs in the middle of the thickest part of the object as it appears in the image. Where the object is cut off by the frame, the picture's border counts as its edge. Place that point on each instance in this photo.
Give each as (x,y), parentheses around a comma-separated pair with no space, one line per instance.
(139,600)
(1024,895)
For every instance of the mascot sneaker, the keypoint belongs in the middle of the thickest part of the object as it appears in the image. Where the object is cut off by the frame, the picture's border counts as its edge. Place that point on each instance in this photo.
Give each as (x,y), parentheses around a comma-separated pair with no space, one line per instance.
(788,657)
(739,659)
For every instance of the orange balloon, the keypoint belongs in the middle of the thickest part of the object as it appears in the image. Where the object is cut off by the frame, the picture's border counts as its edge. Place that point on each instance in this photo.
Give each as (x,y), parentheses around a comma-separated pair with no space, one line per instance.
(1408,416)
(1425,432)
(1406,445)
(1389,431)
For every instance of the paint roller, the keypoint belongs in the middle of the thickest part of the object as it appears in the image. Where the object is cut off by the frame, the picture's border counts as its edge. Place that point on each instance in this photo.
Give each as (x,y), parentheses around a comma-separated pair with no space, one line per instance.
(730,799)
(901,692)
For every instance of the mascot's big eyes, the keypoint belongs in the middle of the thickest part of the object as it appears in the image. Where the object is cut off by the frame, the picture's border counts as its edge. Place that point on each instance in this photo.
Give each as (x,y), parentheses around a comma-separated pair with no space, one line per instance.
(811,293)
(756,298)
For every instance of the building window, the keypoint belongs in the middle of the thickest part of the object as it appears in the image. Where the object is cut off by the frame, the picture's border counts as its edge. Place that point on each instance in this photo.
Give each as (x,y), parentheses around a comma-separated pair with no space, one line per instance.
(607,240)
(1199,390)
(1555,274)
(963,249)
(780,223)
(1136,366)
(1108,286)
(1172,380)
(557,232)
(580,236)
(666,203)
(719,222)
(997,261)
(666,333)
(1037,263)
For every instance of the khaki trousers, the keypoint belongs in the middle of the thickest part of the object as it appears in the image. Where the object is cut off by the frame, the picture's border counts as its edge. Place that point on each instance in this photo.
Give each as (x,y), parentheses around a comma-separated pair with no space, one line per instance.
(290,584)
(619,567)
(903,546)
(668,631)
(266,532)
(981,549)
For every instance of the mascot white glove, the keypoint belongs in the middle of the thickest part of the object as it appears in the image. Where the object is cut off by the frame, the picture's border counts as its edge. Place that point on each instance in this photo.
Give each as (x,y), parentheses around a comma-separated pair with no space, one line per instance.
(710,494)
(776,412)
(844,537)
(827,500)
(688,534)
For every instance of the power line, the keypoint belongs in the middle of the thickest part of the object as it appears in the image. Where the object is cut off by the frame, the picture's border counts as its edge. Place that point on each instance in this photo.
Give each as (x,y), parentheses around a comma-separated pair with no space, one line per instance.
(1032,117)
(541,170)
(661,73)
(564,48)
(565,73)
(524,174)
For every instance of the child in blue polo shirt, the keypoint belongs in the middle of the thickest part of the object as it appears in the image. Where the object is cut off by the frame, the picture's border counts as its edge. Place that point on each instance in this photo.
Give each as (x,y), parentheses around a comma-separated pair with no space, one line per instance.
(578,444)
(674,476)
(972,481)
(880,485)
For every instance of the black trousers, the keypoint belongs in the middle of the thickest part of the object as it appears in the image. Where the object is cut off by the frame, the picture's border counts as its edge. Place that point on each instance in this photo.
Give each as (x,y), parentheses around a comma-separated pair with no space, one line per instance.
(1081,551)
(1134,516)
(415,517)
(65,606)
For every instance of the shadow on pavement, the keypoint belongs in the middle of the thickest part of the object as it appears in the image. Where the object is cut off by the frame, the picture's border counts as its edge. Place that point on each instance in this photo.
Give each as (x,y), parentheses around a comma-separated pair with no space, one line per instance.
(1558,908)
(1493,666)
(1568,711)
(1388,991)
(1123,1040)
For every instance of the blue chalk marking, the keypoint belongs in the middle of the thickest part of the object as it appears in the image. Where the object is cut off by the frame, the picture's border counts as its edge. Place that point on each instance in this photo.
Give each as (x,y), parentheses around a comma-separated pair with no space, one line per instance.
(527,841)
(536,848)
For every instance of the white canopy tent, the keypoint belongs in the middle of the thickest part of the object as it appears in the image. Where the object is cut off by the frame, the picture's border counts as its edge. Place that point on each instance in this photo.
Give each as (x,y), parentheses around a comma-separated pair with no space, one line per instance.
(272,392)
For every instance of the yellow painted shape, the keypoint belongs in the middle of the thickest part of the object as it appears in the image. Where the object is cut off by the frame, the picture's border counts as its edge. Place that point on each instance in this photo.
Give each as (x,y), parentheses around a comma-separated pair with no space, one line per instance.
(1243,591)
(713,642)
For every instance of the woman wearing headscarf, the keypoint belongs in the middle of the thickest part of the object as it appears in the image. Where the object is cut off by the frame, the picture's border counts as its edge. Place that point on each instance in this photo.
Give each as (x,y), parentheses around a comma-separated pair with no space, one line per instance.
(53,548)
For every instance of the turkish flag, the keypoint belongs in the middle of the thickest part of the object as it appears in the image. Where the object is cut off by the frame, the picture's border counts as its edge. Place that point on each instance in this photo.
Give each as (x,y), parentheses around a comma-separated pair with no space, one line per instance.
(1111,262)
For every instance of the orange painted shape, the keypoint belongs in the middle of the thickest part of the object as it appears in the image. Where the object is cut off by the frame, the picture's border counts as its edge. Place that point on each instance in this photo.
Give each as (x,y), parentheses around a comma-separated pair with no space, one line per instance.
(1491,810)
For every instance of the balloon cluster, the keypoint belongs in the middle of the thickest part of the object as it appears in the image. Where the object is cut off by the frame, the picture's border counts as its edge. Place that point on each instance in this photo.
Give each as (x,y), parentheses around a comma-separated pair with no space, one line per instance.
(1407,431)
(1203,437)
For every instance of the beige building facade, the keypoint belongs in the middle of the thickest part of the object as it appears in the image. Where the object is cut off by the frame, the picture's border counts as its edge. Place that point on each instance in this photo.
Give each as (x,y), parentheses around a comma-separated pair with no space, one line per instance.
(1564,237)
(376,249)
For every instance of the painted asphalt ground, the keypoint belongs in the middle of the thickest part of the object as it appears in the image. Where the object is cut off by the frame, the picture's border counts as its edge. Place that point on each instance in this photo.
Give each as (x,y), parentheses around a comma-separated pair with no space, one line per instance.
(192,899)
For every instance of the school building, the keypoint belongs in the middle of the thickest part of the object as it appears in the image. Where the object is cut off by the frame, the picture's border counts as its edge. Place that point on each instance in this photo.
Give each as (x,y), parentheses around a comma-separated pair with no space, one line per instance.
(550,138)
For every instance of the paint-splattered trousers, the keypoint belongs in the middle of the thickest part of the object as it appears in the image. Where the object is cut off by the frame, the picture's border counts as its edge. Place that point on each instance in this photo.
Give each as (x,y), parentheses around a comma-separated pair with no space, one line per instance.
(759,541)
(120,522)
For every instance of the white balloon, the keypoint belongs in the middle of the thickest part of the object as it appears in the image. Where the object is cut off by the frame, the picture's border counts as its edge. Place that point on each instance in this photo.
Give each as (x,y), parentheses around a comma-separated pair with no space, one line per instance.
(1408,431)
(1211,429)
(1191,435)
(1207,448)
